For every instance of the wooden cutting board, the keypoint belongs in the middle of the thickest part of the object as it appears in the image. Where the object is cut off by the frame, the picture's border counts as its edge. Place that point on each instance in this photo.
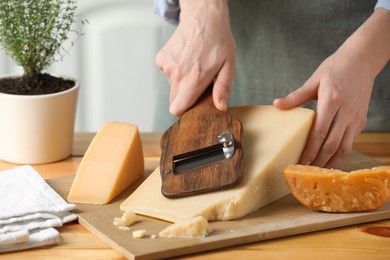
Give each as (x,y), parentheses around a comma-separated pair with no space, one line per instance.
(282,218)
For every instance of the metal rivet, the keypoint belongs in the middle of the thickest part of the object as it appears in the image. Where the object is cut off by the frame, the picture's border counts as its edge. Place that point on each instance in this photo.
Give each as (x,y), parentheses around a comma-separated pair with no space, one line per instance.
(226,139)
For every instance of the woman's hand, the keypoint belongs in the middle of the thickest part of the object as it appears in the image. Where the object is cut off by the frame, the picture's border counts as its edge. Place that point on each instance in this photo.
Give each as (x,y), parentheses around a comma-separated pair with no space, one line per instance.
(342,86)
(201,49)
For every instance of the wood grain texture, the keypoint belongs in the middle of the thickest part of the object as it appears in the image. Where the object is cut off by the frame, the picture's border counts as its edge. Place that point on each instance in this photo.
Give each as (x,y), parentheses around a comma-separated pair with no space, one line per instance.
(198,129)
(376,146)
(341,243)
(351,242)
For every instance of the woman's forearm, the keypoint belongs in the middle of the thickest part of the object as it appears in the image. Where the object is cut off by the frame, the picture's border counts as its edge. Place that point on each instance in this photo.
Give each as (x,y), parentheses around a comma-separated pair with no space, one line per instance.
(371,41)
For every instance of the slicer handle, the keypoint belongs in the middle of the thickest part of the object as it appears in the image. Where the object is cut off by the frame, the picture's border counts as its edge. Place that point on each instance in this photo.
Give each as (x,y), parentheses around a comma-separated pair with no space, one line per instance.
(205,101)
(196,131)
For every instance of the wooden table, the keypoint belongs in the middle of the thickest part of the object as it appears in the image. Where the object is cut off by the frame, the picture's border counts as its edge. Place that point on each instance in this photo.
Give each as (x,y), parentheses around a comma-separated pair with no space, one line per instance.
(353,242)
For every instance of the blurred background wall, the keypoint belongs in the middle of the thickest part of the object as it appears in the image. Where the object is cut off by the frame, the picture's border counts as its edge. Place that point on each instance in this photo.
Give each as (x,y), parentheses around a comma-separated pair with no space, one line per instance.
(114,62)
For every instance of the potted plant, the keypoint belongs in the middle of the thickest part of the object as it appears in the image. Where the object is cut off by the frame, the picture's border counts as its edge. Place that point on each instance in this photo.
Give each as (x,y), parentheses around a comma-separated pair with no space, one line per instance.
(37,110)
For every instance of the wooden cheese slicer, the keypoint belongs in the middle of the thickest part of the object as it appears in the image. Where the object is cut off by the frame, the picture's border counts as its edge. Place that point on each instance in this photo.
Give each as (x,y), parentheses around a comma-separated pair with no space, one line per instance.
(202,151)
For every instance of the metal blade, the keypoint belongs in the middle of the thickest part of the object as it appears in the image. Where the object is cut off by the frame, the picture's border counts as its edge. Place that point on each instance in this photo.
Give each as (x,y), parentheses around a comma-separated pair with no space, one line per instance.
(197,159)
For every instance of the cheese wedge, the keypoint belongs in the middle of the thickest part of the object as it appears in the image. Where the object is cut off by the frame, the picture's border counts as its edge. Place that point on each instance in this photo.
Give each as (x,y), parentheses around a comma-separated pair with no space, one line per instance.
(112,162)
(272,139)
(333,190)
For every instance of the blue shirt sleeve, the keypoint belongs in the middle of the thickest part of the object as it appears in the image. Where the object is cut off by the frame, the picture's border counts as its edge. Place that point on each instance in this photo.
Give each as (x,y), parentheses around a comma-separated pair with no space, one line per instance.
(383,4)
(169,10)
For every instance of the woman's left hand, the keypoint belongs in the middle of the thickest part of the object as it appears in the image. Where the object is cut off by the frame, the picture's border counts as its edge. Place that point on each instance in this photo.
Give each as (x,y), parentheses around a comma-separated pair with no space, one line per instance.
(342,87)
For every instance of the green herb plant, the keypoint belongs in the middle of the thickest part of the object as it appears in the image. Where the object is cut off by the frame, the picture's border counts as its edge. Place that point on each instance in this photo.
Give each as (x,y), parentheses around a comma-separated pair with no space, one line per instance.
(33,32)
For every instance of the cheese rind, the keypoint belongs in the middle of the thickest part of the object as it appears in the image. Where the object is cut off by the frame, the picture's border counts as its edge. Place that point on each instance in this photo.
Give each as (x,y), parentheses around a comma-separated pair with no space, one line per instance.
(191,228)
(272,139)
(333,190)
(112,162)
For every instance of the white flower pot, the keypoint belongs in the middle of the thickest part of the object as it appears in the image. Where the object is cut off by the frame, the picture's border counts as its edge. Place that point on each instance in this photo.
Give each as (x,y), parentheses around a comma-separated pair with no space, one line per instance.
(38,128)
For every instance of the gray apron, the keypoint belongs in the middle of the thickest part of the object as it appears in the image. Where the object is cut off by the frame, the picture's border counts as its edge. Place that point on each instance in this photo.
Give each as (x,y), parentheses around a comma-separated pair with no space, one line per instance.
(281,43)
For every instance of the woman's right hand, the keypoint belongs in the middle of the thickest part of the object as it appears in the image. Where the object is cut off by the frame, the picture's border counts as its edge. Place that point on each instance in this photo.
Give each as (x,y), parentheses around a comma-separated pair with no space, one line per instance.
(201,49)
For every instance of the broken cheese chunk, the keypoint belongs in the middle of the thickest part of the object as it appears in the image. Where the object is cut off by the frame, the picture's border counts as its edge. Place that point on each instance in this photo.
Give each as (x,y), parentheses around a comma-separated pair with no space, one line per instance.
(272,139)
(139,233)
(191,228)
(127,219)
(112,162)
(332,190)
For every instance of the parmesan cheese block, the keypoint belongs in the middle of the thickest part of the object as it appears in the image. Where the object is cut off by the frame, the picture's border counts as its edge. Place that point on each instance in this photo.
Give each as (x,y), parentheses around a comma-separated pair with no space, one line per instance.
(272,139)
(190,228)
(337,191)
(112,162)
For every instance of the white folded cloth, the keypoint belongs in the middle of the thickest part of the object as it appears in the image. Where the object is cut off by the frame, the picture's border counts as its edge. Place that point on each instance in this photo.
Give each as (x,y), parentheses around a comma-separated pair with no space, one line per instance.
(29,209)
(36,238)
(14,237)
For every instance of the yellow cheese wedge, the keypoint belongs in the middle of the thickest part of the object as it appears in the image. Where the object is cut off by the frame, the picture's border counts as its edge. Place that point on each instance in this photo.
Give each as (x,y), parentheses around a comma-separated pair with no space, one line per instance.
(272,139)
(113,161)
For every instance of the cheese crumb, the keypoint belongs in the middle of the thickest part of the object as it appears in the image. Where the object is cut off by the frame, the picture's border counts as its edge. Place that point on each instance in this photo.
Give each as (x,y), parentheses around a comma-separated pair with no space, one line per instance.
(191,228)
(139,233)
(127,219)
(124,228)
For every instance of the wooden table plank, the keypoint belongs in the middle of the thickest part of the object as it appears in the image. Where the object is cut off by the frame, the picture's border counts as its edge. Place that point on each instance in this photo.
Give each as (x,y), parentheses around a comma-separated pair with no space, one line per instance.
(342,243)
(323,244)
(375,145)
